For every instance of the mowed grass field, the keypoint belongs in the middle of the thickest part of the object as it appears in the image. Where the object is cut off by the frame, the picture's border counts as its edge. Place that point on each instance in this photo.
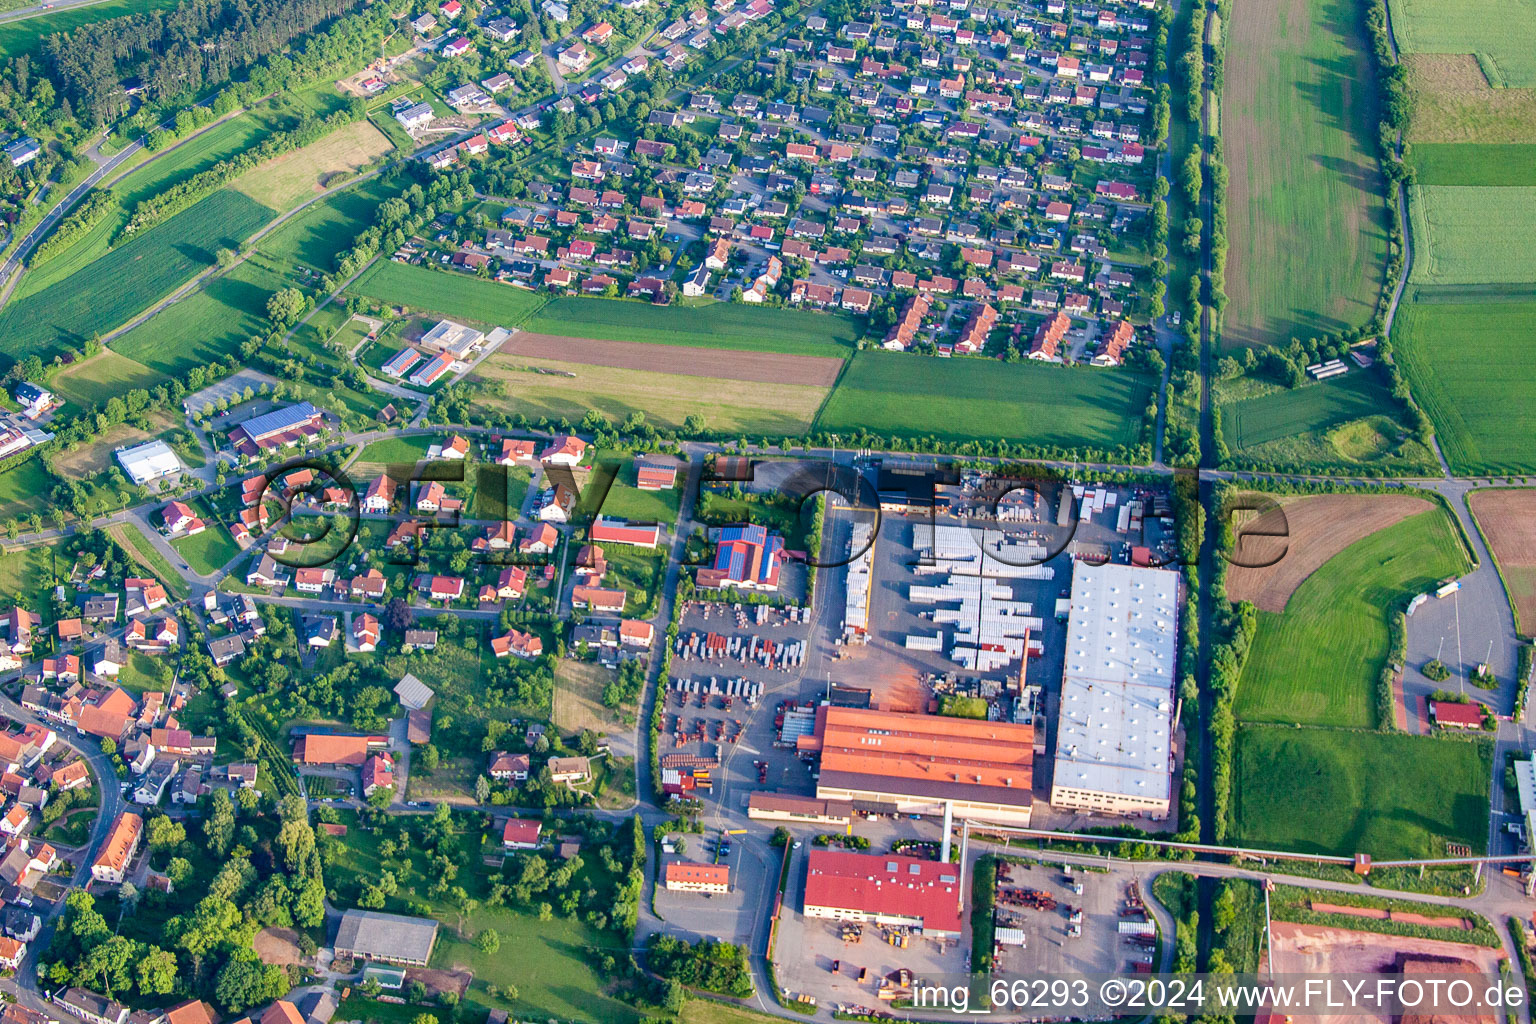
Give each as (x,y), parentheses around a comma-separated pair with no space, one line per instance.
(454,295)
(1470,369)
(1317,662)
(1343,792)
(719,325)
(1461,163)
(1500,33)
(556,389)
(1454,102)
(129,279)
(1313,406)
(1308,222)
(92,381)
(1473,235)
(902,395)
(294,177)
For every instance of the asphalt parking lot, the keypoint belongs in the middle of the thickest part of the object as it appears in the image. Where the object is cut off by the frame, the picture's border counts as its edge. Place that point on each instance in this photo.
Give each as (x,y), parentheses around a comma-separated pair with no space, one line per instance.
(730,917)
(1049,950)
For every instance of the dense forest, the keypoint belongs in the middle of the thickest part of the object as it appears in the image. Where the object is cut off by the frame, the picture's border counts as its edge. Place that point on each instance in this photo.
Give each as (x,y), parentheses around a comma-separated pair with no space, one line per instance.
(182,52)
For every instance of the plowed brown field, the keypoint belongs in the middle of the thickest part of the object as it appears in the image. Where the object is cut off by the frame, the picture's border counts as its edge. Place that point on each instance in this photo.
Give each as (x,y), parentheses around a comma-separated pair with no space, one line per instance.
(1508,521)
(723,364)
(1301,535)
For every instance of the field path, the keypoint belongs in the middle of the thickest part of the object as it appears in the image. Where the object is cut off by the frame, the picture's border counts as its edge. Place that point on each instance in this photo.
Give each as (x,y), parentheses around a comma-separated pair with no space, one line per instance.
(249,244)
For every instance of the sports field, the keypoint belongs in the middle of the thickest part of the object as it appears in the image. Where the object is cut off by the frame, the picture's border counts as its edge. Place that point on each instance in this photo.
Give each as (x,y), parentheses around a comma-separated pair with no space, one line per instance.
(1455,163)
(1308,221)
(1317,662)
(455,295)
(294,177)
(1343,792)
(537,388)
(1473,235)
(719,325)
(1470,369)
(1500,33)
(902,395)
(129,279)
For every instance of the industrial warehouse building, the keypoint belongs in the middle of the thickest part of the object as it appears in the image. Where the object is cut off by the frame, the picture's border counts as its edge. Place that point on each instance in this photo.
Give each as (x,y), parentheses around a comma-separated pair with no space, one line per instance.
(392,938)
(148,462)
(891,762)
(887,889)
(1114,737)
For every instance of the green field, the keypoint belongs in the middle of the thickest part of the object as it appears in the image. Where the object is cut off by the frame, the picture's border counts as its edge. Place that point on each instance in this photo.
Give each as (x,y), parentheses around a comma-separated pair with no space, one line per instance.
(719,325)
(92,381)
(209,551)
(142,548)
(1502,34)
(1317,662)
(27,34)
(1470,369)
(208,324)
(129,279)
(894,393)
(451,294)
(1458,163)
(1308,223)
(328,227)
(216,143)
(25,571)
(24,488)
(1473,235)
(1343,792)
(1312,407)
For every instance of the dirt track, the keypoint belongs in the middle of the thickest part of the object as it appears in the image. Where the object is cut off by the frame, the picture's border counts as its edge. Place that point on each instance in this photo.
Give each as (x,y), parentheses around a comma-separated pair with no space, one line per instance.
(725,364)
(1311,530)
(1508,521)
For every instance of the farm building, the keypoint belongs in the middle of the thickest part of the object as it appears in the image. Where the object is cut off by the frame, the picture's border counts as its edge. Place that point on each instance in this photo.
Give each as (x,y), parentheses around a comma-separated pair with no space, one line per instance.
(432,372)
(888,889)
(392,938)
(276,429)
(148,462)
(401,361)
(620,531)
(1114,738)
(452,339)
(655,474)
(924,764)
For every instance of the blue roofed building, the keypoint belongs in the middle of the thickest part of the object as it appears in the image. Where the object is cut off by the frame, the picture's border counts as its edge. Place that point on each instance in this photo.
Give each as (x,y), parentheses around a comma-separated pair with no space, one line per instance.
(747,557)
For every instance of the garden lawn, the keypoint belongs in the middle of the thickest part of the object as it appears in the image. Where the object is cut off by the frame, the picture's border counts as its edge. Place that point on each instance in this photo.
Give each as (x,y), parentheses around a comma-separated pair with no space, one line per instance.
(1473,235)
(718,325)
(1317,663)
(1336,791)
(1451,163)
(1308,222)
(455,295)
(1501,33)
(129,279)
(901,395)
(1470,369)
(209,551)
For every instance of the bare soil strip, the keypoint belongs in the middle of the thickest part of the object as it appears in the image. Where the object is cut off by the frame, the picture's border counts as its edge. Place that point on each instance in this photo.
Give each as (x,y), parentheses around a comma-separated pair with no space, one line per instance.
(1313,529)
(1508,521)
(724,364)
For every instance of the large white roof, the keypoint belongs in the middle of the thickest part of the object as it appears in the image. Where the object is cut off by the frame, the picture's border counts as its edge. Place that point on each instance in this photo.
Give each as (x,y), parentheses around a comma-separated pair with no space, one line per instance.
(149,461)
(1115,730)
